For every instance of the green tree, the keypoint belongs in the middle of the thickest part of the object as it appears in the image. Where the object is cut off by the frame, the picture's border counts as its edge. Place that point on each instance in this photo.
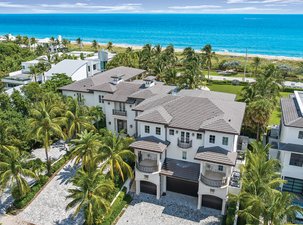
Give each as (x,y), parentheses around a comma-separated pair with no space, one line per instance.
(43,67)
(208,55)
(46,121)
(110,46)
(116,155)
(95,45)
(85,149)
(57,81)
(13,171)
(34,71)
(79,43)
(256,63)
(91,195)
(65,43)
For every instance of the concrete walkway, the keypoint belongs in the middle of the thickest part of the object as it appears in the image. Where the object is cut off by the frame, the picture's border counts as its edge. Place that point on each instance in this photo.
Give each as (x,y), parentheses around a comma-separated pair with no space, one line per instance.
(49,206)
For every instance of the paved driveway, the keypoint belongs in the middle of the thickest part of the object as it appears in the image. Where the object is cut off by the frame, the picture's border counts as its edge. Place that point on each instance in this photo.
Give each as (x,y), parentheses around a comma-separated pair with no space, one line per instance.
(49,206)
(172,209)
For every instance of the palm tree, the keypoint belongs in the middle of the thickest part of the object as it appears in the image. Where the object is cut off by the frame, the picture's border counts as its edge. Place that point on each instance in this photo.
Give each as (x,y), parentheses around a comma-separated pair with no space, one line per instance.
(79,43)
(256,63)
(33,41)
(77,118)
(115,154)
(65,42)
(25,40)
(34,71)
(95,45)
(43,67)
(13,170)
(45,123)
(19,39)
(6,37)
(90,196)
(109,46)
(86,148)
(208,55)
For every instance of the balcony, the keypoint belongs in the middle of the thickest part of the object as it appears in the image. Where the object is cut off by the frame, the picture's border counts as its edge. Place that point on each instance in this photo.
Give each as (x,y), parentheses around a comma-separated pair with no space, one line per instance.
(119,112)
(184,144)
(147,166)
(213,181)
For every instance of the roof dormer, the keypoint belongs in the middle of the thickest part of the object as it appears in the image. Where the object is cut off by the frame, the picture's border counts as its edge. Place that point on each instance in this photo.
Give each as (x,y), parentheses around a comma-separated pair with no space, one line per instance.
(149,81)
(117,79)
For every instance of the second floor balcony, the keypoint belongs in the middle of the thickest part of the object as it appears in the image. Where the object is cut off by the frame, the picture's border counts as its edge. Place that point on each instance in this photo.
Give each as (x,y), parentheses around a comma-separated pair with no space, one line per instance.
(147,166)
(119,112)
(185,144)
(213,179)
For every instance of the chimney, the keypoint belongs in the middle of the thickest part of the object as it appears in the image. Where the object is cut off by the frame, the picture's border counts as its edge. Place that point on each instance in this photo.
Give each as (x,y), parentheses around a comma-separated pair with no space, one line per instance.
(149,81)
(117,79)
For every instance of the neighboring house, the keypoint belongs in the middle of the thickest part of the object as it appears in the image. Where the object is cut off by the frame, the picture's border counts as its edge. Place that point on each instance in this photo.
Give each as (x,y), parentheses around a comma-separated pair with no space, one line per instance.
(186,141)
(75,69)
(287,142)
(21,77)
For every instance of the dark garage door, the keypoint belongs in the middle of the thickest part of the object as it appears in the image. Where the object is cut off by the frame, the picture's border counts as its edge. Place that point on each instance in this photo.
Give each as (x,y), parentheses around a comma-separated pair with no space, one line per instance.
(148,187)
(212,202)
(182,186)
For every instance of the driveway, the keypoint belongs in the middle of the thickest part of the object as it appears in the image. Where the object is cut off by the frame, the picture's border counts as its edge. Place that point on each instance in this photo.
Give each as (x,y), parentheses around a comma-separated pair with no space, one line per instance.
(49,206)
(172,209)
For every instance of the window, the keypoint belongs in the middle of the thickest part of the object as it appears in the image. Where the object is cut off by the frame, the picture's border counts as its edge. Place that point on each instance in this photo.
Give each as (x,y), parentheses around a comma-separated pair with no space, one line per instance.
(158,130)
(88,68)
(185,137)
(220,168)
(300,136)
(101,99)
(199,136)
(212,139)
(171,132)
(146,129)
(296,159)
(225,141)
(184,155)
(293,185)
(94,67)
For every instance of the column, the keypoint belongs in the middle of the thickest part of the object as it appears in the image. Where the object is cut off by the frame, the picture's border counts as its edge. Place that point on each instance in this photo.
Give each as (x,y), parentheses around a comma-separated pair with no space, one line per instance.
(164,183)
(158,191)
(137,187)
(199,201)
(223,207)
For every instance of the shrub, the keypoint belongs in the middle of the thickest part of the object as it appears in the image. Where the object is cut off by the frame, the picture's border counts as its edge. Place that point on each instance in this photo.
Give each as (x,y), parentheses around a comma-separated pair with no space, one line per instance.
(231,211)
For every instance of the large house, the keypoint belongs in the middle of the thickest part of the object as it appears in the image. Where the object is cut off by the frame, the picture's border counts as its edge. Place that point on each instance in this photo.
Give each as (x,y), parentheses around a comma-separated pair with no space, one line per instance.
(186,141)
(287,142)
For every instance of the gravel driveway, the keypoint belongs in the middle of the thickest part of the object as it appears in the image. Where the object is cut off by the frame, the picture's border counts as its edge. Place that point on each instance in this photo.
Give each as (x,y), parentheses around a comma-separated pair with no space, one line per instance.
(172,209)
(49,207)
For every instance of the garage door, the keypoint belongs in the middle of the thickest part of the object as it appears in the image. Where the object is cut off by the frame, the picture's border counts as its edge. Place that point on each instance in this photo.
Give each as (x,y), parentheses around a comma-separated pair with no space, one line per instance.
(212,202)
(182,186)
(148,187)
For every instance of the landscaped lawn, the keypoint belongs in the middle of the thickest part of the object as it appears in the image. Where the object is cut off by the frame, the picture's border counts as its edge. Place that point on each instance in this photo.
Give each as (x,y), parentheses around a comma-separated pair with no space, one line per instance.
(233,89)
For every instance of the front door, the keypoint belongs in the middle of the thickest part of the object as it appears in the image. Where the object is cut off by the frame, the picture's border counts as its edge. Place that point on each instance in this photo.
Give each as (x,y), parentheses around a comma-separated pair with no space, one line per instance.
(122,126)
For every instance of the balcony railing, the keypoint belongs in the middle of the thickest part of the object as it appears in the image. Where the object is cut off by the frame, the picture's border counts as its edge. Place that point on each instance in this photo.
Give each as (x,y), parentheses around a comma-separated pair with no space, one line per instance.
(212,182)
(146,169)
(119,112)
(184,144)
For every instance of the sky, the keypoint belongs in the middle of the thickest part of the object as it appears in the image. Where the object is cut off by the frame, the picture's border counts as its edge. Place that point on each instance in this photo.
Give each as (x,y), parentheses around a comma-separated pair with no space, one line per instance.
(153,6)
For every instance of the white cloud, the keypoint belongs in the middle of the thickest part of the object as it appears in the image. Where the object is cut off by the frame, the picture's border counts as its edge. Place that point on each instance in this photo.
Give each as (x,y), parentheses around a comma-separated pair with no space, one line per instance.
(262,1)
(12,5)
(190,7)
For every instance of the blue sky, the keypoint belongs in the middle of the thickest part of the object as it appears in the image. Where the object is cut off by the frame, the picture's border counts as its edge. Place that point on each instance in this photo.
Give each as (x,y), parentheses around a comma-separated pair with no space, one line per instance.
(153,6)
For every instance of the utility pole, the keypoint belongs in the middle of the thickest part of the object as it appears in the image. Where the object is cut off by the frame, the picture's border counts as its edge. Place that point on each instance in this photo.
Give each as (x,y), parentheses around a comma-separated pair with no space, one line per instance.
(245,66)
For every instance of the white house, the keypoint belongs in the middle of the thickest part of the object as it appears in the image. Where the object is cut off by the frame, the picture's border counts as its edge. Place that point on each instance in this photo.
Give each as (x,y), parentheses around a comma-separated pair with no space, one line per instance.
(186,141)
(287,142)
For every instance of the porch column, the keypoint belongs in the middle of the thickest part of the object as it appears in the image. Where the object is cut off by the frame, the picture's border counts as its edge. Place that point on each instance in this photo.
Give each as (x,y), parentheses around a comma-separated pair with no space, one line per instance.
(199,201)
(223,207)
(137,187)
(164,183)
(158,191)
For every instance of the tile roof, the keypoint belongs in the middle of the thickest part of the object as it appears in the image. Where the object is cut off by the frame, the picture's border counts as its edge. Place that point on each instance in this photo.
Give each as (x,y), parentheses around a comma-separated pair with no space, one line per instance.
(194,113)
(123,91)
(291,113)
(67,66)
(181,169)
(150,143)
(208,94)
(216,155)
(86,84)
(158,88)
(106,87)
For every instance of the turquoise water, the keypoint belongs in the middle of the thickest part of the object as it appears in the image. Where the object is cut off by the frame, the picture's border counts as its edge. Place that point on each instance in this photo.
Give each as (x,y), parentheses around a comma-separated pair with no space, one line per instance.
(261,34)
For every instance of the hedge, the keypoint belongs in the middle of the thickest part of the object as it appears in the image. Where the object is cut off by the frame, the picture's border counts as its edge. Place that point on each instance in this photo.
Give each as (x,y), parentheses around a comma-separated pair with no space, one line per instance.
(121,201)
(231,212)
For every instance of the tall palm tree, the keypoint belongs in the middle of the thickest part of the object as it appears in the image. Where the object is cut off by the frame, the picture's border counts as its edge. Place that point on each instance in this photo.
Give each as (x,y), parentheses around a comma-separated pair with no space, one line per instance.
(78,118)
(208,55)
(43,67)
(86,148)
(65,43)
(7,37)
(19,39)
(110,46)
(33,42)
(13,170)
(91,195)
(45,122)
(256,63)
(95,45)
(34,71)
(79,43)
(115,154)
(25,40)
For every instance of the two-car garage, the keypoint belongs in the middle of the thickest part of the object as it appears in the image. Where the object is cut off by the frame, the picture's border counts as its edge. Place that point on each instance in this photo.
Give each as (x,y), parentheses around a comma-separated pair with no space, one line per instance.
(182,186)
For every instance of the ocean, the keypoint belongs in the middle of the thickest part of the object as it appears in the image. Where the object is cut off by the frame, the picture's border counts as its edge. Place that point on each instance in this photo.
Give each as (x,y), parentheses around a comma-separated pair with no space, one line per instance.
(277,35)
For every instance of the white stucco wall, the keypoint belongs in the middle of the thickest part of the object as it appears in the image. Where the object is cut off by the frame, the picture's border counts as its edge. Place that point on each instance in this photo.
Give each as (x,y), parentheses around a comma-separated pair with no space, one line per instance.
(289,170)
(218,140)
(152,129)
(290,135)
